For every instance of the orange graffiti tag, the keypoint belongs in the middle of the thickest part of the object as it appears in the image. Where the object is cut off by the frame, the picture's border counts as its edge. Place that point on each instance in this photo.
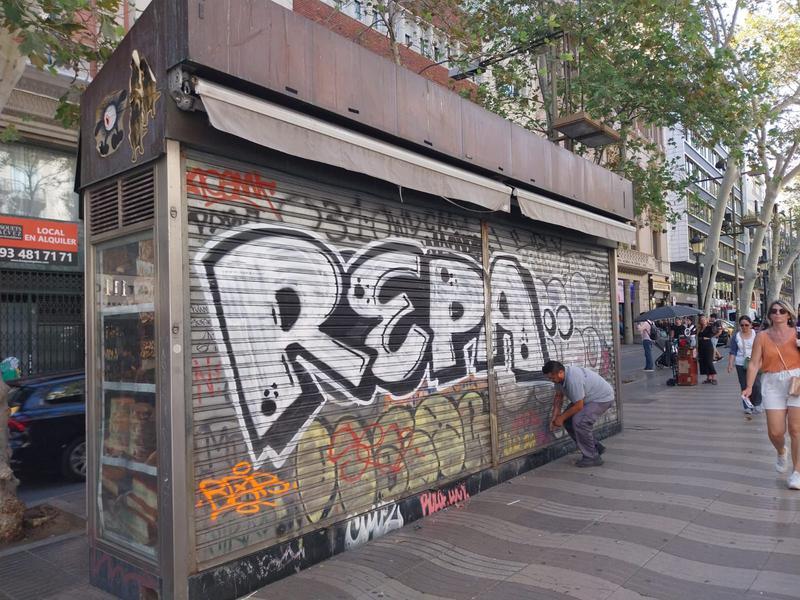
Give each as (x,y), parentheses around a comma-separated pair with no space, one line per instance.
(245,491)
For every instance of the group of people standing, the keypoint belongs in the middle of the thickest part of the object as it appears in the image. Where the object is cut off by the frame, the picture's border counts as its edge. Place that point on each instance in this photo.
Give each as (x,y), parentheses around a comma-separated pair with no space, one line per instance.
(767,364)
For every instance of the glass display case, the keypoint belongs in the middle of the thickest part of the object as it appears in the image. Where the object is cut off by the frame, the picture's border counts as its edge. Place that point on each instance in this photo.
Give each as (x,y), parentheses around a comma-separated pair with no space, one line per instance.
(127,490)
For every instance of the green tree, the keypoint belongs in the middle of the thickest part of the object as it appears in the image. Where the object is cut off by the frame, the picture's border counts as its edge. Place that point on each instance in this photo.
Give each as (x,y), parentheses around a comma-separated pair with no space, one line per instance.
(761,41)
(58,34)
(52,34)
(627,63)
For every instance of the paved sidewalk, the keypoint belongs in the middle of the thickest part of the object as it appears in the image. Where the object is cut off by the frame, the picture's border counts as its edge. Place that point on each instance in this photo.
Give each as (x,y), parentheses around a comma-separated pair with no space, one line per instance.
(687,507)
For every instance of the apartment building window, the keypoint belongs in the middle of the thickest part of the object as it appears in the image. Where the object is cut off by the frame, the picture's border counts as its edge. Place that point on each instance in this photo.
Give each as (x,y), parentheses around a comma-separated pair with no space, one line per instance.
(726,253)
(409,41)
(656,244)
(683,282)
(423,46)
(358,9)
(437,53)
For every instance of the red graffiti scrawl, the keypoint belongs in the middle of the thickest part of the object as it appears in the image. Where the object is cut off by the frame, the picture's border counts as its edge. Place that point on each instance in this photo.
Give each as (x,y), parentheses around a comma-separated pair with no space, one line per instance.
(222,187)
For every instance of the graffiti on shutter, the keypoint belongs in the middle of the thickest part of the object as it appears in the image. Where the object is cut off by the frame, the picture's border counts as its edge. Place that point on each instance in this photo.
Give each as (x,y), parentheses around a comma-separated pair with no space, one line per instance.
(564,287)
(338,355)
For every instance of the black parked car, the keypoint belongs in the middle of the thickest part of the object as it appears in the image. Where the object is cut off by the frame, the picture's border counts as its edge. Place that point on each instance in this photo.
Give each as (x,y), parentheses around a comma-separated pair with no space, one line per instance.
(47,425)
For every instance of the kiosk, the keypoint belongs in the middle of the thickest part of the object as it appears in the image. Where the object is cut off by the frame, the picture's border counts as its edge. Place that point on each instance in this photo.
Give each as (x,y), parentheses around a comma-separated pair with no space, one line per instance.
(320,291)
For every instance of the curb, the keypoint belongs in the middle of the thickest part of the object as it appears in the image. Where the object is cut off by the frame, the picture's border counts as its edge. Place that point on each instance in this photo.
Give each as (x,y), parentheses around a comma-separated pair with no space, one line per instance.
(39,543)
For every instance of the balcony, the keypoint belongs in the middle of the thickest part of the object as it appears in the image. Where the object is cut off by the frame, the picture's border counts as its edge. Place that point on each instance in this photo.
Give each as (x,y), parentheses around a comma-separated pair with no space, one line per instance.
(634,261)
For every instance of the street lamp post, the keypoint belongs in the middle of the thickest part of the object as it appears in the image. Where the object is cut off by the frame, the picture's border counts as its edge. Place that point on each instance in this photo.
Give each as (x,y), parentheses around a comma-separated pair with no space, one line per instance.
(698,244)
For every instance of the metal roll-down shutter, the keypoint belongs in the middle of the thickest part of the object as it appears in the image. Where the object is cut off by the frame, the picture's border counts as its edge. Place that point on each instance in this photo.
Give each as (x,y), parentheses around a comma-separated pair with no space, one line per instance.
(338,353)
(550,301)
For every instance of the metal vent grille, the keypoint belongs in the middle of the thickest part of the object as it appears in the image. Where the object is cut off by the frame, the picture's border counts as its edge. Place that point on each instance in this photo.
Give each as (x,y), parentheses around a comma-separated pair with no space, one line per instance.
(104,208)
(138,197)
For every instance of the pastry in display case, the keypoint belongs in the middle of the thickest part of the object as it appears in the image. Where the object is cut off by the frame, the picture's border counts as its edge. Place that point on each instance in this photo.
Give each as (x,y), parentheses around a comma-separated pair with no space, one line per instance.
(127,482)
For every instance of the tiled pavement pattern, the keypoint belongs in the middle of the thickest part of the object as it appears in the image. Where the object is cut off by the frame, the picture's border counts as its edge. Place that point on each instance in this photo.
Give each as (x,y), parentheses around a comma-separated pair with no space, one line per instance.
(687,507)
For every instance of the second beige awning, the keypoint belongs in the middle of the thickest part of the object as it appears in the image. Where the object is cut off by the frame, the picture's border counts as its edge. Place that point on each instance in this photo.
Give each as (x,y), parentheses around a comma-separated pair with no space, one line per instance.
(542,208)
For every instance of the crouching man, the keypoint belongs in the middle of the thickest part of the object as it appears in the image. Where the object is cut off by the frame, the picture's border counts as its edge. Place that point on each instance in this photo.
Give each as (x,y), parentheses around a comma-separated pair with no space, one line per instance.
(590,396)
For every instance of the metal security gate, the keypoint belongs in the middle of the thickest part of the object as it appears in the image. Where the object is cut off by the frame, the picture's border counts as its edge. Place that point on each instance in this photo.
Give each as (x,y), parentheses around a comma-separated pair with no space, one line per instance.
(41,320)
(338,355)
(550,301)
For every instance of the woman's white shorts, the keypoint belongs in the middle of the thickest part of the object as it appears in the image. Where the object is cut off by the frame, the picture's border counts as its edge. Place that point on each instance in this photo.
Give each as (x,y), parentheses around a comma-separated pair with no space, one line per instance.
(775,392)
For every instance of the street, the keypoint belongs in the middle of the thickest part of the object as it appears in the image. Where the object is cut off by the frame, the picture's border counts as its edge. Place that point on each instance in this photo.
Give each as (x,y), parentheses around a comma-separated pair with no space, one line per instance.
(687,505)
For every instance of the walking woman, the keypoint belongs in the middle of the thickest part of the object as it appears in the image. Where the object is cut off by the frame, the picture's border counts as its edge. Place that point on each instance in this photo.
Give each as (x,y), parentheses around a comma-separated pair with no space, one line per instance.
(705,350)
(740,355)
(776,355)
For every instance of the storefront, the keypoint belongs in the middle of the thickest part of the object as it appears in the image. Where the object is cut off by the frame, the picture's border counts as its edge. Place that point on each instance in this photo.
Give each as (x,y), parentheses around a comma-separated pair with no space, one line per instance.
(41,259)
(304,334)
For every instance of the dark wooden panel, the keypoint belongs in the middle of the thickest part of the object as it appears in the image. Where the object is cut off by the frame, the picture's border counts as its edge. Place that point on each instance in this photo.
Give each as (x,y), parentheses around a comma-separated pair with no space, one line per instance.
(530,158)
(208,29)
(137,135)
(597,187)
(249,27)
(412,108)
(378,95)
(349,81)
(566,169)
(323,69)
(486,138)
(299,56)
(444,120)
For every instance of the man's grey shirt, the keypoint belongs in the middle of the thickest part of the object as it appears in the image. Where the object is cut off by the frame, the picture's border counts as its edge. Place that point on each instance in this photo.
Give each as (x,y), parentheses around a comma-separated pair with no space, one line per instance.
(585,384)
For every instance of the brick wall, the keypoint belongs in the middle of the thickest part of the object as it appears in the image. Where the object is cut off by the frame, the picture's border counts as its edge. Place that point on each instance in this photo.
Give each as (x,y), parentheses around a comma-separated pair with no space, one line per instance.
(377,42)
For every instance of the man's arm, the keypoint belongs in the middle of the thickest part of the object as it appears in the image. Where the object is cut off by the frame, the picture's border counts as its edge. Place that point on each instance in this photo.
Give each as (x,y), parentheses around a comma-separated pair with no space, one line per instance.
(574,408)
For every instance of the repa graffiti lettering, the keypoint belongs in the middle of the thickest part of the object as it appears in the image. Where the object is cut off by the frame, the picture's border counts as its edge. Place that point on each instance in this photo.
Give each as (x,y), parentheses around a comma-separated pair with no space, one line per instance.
(437,500)
(387,319)
(245,491)
(372,525)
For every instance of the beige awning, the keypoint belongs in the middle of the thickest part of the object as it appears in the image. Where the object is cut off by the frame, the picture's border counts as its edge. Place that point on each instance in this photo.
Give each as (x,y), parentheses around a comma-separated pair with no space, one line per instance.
(298,134)
(542,208)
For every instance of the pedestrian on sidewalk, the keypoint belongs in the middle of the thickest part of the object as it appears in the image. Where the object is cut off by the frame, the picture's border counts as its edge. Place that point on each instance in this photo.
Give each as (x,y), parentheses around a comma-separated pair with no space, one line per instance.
(590,396)
(705,350)
(776,355)
(716,328)
(647,329)
(741,352)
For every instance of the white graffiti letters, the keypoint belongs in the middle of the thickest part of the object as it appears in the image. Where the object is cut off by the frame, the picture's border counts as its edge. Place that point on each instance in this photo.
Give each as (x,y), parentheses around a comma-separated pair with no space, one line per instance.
(304,326)
(372,525)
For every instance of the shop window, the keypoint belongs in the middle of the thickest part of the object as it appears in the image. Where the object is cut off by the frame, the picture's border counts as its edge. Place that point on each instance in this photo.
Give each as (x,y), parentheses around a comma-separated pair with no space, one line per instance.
(37,182)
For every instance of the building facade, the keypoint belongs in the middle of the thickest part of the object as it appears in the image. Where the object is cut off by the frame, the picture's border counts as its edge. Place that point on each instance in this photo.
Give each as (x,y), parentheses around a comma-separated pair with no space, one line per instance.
(41,235)
(705,166)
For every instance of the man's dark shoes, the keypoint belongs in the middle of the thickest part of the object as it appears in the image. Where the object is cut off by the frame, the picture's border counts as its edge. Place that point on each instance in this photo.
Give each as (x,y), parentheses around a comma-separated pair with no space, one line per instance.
(585,461)
(600,448)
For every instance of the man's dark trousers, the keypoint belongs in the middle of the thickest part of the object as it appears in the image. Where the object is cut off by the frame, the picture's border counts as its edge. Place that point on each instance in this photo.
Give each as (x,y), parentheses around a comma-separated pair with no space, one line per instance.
(579,427)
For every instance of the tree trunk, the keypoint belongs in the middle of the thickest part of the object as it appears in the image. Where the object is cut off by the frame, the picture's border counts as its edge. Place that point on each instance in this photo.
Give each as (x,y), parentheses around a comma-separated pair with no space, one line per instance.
(11,508)
(751,267)
(711,256)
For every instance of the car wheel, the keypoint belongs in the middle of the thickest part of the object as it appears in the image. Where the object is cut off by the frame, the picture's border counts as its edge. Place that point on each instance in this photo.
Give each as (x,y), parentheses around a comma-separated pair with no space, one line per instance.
(73,461)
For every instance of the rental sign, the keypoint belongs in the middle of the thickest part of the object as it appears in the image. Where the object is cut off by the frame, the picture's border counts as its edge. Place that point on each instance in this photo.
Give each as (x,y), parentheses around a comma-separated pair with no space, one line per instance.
(38,241)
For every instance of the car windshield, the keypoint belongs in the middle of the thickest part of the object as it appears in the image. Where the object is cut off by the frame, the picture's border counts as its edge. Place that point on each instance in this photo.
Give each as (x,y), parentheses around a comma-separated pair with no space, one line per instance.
(18,396)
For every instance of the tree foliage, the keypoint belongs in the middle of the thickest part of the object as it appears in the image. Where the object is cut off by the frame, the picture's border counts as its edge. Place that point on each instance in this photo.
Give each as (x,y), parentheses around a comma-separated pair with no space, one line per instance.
(68,35)
(626,63)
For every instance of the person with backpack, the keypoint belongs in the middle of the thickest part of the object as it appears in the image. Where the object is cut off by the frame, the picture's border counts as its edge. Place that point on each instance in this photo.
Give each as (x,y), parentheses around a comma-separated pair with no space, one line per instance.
(649,333)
